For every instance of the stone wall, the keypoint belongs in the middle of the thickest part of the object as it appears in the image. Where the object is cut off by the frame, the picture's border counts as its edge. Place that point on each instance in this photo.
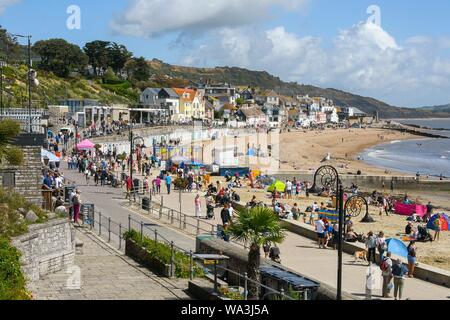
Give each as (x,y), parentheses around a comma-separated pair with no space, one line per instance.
(370,183)
(27,176)
(47,248)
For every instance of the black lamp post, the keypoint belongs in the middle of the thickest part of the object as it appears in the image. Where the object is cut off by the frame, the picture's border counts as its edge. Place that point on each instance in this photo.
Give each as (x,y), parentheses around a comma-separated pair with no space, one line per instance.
(132,142)
(327,177)
(30,77)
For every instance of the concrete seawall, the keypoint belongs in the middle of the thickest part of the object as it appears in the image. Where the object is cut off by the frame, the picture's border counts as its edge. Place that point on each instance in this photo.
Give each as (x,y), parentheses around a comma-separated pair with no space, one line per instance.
(370,183)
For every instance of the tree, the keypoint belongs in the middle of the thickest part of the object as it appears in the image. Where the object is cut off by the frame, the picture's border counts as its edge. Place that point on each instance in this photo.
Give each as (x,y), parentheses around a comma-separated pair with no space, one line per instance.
(9,48)
(9,129)
(60,57)
(138,69)
(98,54)
(256,226)
(118,55)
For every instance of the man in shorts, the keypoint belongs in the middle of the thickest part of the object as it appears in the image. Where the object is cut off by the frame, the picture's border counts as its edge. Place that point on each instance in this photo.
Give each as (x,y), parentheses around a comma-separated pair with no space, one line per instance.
(320,230)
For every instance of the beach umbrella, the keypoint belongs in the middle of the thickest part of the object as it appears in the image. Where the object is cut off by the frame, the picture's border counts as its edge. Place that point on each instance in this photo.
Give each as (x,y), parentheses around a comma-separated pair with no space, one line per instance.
(397,247)
(278,186)
(443,218)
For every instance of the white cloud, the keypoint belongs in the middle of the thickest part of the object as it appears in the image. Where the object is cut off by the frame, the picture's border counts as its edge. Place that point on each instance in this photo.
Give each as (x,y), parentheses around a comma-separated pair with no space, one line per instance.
(147,18)
(363,59)
(7,3)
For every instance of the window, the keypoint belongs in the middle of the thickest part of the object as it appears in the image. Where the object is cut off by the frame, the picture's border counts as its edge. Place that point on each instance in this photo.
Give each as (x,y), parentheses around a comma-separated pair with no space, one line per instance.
(8,179)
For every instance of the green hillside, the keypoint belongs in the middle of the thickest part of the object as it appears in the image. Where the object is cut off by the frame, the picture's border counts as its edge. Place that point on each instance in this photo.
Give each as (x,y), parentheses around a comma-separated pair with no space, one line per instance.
(264,80)
(53,88)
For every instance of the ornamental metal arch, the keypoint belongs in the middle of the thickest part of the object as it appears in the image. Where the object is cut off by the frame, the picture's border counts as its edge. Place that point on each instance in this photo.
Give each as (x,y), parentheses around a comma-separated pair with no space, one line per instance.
(325,177)
(355,205)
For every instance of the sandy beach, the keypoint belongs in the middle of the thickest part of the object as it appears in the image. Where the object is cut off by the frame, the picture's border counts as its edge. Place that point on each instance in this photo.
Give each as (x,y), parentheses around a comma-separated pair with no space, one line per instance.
(304,151)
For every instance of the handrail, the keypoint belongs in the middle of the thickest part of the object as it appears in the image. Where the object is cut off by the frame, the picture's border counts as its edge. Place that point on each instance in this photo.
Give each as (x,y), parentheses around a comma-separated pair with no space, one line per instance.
(159,237)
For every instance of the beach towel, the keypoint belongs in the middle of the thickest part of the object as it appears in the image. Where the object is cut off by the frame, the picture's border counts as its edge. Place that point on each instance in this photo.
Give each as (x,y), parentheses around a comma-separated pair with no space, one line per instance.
(410,209)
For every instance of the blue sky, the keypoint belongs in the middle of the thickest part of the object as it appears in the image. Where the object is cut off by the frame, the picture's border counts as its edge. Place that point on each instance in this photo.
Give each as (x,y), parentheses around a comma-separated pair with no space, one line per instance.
(404,61)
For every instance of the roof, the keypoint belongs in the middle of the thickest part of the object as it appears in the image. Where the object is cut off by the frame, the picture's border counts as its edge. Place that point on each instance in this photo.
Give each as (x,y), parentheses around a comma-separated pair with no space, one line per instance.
(180,92)
(252,112)
(171,93)
(270,93)
(154,91)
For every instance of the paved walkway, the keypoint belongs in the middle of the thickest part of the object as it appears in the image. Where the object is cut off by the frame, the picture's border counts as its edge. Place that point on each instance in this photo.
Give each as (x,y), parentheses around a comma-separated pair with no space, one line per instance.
(106,274)
(298,253)
(302,255)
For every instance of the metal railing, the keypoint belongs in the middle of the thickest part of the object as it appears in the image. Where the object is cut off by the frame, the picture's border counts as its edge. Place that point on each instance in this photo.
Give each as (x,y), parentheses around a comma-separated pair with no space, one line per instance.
(106,227)
(184,222)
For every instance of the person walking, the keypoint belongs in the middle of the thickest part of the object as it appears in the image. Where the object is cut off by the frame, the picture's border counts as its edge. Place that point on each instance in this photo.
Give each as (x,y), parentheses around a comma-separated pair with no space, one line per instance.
(76,206)
(386,269)
(87,174)
(429,212)
(371,245)
(437,227)
(226,221)
(381,245)
(398,272)
(198,207)
(168,183)
(320,230)
(412,258)
(158,185)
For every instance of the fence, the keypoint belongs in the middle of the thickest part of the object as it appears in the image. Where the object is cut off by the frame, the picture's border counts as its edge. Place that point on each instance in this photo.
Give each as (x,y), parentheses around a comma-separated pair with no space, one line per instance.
(106,227)
(186,223)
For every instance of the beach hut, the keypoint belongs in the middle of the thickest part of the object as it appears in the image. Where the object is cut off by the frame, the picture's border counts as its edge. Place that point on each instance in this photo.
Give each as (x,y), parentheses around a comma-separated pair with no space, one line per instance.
(433,223)
(278,186)
(86,145)
(397,247)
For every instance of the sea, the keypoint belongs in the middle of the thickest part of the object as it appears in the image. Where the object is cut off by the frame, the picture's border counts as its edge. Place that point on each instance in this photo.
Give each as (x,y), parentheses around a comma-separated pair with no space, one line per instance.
(426,156)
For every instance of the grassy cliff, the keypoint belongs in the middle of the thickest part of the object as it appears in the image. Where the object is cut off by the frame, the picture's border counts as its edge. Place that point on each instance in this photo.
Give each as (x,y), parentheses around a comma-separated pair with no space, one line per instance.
(53,88)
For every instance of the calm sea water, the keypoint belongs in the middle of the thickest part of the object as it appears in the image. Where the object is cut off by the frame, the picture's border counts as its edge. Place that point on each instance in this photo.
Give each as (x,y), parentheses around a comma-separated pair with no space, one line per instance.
(427,156)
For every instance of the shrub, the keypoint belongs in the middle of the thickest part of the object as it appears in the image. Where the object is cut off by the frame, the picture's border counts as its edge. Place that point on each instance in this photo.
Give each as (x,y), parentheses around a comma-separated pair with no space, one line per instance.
(10,223)
(162,252)
(12,280)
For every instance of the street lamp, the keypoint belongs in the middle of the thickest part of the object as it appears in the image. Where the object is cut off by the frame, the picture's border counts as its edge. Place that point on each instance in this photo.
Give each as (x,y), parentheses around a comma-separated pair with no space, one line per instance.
(327,177)
(132,143)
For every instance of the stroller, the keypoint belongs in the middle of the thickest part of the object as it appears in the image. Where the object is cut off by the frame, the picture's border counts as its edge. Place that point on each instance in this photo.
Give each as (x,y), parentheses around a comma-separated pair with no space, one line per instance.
(424,235)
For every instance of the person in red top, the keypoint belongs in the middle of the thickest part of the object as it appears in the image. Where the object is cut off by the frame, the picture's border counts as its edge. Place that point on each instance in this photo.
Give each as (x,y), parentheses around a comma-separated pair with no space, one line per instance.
(129,184)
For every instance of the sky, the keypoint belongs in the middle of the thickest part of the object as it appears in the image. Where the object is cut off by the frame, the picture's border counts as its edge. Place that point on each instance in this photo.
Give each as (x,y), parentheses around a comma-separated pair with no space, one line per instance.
(397,51)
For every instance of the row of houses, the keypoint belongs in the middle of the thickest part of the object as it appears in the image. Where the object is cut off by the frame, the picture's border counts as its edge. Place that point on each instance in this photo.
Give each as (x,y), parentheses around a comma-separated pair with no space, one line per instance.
(240,105)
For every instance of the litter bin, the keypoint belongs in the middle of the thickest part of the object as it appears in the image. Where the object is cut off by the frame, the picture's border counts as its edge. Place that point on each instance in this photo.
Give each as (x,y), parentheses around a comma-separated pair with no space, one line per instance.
(146,203)
(67,191)
(136,185)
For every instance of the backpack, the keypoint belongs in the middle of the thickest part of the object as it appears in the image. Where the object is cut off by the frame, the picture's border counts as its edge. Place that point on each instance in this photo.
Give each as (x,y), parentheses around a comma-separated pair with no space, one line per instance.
(384,266)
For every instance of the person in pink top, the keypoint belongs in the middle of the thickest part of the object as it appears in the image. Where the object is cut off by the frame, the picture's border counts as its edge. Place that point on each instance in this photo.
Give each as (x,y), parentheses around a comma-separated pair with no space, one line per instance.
(198,207)
(158,184)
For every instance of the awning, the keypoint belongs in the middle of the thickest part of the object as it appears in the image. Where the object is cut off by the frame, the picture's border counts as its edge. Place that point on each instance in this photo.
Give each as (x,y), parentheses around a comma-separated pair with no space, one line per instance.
(86,144)
(47,154)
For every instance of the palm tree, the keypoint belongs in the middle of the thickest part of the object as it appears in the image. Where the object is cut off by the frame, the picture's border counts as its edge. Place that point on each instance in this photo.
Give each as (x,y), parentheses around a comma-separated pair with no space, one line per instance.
(256,226)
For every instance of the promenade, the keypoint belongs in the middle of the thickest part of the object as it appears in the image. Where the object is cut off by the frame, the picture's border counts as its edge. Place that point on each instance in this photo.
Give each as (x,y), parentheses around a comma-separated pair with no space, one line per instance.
(106,274)
(298,253)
